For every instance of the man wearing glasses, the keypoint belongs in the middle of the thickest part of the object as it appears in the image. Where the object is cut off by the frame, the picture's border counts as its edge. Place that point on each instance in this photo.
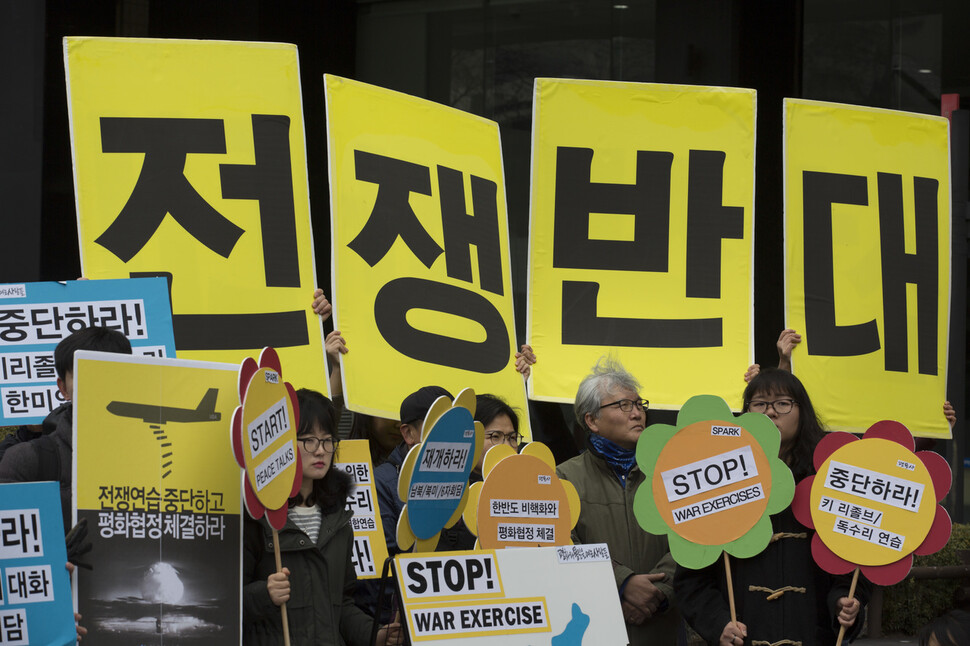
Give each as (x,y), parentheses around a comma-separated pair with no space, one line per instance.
(606,475)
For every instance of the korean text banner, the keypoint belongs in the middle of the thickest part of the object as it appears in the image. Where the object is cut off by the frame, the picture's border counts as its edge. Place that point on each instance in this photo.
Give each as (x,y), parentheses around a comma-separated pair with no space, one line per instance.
(190,163)
(35,588)
(867,262)
(524,596)
(370,548)
(641,236)
(157,483)
(422,282)
(34,317)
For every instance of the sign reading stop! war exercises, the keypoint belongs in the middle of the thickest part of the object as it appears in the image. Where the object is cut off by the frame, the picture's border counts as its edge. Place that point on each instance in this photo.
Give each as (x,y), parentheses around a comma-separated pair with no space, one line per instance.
(714,481)
(415,187)
(641,236)
(190,163)
(867,262)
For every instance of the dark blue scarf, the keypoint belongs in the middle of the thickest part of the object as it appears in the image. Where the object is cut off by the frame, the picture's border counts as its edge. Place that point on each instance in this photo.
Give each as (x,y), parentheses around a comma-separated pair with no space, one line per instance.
(620,460)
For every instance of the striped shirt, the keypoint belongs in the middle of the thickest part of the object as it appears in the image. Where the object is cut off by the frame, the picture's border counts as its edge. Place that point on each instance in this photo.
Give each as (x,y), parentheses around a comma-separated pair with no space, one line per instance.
(307,519)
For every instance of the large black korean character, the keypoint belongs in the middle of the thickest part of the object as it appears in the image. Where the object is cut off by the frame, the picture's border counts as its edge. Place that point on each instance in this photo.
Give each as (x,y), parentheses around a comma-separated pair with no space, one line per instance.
(648,201)
(392,217)
(270,182)
(162,187)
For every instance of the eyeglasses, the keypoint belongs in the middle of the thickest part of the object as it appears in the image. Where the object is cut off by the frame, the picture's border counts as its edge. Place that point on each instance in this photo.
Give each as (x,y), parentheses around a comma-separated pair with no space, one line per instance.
(310,444)
(626,405)
(781,406)
(498,437)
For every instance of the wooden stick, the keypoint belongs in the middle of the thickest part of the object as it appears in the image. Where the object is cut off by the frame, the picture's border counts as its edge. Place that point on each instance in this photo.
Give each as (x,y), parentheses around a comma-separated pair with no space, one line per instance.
(279,568)
(730,586)
(855,579)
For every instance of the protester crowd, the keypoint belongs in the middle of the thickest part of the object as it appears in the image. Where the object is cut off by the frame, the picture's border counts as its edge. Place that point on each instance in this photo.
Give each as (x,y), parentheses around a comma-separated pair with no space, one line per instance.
(781,595)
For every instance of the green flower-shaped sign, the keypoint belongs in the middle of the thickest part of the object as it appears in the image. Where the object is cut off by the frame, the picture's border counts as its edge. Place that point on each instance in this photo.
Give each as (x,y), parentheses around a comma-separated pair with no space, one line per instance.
(713,481)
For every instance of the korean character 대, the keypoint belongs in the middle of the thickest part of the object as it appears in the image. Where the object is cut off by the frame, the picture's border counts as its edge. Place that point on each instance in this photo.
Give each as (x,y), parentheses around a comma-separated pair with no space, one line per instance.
(837,477)
(15,580)
(907,495)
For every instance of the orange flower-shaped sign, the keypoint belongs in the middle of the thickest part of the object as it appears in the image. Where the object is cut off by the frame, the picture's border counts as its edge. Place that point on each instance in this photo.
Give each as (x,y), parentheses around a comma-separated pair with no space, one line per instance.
(873,503)
(521,502)
(264,438)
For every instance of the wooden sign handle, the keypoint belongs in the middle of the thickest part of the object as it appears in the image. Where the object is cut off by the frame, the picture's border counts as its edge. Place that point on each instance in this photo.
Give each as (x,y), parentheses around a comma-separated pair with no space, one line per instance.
(855,580)
(730,587)
(279,568)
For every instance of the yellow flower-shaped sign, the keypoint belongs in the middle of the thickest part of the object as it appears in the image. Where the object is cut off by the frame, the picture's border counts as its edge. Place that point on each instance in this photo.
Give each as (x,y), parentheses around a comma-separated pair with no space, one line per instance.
(521,502)
(433,482)
(264,438)
(714,480)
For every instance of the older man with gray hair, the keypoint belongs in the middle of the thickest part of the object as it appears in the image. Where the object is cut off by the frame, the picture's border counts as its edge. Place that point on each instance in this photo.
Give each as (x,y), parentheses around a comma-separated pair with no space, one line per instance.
(608,405)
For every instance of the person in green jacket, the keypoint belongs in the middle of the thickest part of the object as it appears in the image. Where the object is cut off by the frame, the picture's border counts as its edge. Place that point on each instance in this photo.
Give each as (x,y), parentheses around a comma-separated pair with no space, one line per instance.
(317,580)
(606,476)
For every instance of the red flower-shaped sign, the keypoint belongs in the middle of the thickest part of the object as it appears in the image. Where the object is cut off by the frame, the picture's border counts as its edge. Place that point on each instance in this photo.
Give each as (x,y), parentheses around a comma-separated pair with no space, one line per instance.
(264,438)
(874,503)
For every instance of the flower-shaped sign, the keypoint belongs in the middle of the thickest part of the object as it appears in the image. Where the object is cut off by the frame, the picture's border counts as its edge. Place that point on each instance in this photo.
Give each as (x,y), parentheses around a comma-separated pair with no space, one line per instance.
(264,438)
(873,503)
(714,479)
(522,502)
(433,481)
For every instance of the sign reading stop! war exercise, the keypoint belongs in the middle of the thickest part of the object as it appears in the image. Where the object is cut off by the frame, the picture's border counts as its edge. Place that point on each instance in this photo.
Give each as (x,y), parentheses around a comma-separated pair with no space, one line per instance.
(642,236)
(422,280)
(867,256)
(190,163)
(512,596)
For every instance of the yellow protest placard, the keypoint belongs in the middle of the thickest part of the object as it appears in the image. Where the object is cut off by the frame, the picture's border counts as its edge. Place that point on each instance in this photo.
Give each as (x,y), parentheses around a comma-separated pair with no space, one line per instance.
(160,492)
(422,286)
(190,163)
(370,548)
(641,236)
(867,262)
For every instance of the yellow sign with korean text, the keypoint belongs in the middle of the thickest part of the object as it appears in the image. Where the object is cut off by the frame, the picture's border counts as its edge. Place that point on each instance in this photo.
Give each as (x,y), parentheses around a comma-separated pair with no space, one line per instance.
(422,283)
(190,163)
(160,492)
(642,237)
(370,547)
(867,262)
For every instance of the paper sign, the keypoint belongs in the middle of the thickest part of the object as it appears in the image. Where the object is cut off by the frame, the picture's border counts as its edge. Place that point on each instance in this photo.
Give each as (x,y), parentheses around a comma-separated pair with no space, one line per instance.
(867,262)
(190,163)
(521,597)
(641,236)
(370,547)
(35,588)
(422,281)
(873,503)
(521,502)
(160,493)
(35,317)
(715,479)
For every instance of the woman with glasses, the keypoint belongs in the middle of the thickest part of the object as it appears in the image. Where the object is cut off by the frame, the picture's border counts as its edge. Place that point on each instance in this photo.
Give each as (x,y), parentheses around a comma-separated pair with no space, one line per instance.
(318,580)
(780,594)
